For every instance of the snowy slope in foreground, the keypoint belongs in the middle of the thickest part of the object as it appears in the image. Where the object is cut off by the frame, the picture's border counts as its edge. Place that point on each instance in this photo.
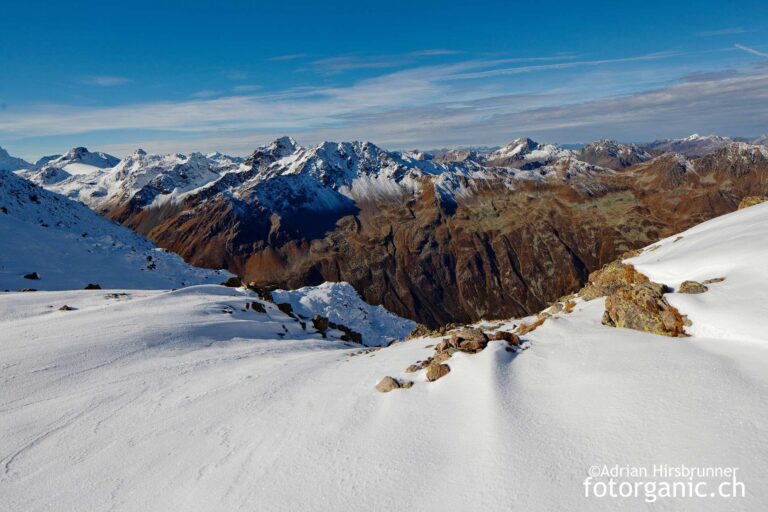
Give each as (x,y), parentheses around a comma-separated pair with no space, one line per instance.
(69,246)
(185,401)
(734,246)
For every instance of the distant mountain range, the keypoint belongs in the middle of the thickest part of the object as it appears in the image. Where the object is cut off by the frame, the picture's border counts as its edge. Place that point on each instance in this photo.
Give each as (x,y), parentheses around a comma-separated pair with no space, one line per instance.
(436,238)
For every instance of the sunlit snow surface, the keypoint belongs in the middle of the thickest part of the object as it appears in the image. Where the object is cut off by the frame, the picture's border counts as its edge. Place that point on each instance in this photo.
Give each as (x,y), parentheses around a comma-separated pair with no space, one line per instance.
(183,401)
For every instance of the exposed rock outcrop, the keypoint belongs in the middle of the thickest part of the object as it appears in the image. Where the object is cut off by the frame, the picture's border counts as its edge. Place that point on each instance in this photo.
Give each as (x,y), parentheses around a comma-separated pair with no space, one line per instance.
(641,306)
(692,287)
(752,201)
(633,301)
(437,371)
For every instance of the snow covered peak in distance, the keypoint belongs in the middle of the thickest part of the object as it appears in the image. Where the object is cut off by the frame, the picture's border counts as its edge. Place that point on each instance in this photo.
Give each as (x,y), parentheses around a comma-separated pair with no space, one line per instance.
(525,153)
(694,145)
(44,160)
(11,163)
(81,161)
(61,244)
(141,175)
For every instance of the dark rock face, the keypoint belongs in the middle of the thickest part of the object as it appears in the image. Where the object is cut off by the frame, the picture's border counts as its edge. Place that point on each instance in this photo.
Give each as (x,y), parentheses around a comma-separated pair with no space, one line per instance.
(493,253)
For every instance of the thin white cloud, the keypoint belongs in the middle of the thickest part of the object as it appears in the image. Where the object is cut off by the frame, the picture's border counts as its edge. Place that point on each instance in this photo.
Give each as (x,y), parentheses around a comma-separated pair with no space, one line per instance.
(291,56)
(559,65)
(721,32)
(751,50)
(424,106)
(344,63)
(106,81)
(434,52)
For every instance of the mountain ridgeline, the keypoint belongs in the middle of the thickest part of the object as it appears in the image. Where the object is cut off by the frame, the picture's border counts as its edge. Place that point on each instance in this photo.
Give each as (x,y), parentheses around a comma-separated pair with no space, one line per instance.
(453,238)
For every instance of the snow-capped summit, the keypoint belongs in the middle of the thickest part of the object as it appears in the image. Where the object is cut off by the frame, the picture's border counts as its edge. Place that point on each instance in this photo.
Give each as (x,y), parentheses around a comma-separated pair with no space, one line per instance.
(11,163)
(143,177)
(222,159)
(692,146)
(79,160)
(525,153)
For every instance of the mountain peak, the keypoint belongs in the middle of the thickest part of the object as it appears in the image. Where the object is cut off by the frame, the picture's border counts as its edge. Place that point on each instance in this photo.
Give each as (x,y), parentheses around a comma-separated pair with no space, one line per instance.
(11,163)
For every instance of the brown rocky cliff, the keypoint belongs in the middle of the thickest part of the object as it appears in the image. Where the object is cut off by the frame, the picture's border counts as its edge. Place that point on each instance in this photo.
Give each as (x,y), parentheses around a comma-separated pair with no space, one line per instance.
(494,253)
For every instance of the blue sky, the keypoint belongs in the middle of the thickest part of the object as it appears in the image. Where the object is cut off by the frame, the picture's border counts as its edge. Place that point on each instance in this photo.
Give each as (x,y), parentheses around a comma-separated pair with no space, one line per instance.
(182,76)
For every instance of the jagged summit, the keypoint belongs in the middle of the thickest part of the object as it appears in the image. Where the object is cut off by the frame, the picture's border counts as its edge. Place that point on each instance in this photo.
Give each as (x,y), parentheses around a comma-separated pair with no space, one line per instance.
(81,155)
(613,154)
(12,163)
(525,153)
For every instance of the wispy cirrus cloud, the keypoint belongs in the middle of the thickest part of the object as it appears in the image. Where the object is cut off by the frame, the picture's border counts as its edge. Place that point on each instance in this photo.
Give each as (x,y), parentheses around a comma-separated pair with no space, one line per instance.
(434,52)
(751,50)
(560,65)
(290,56)
(721,32)
(342,63)
(106,81)
(427,106)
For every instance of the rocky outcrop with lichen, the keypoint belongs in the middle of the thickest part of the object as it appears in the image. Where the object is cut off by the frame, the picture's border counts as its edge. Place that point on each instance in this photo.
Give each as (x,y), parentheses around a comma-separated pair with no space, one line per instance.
(633,301)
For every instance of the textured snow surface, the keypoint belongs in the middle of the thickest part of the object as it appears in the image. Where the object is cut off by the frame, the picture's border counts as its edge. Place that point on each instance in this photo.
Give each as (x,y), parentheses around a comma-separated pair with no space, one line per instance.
(340,303)
(734,246)
(187,400)
(70,246)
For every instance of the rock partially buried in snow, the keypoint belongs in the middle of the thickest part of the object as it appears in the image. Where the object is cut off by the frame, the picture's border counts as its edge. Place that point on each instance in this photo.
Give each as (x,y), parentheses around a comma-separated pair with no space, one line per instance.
(642,307)
(92,286)
(232,282)
(610,278)
(470,340)
(437,371)
(388,383)
(692,287)
(511,338)
(320,323)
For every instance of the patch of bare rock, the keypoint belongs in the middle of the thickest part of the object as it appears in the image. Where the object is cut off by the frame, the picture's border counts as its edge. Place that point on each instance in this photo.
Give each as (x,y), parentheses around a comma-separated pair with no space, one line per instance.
(388,384)
(633,301)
